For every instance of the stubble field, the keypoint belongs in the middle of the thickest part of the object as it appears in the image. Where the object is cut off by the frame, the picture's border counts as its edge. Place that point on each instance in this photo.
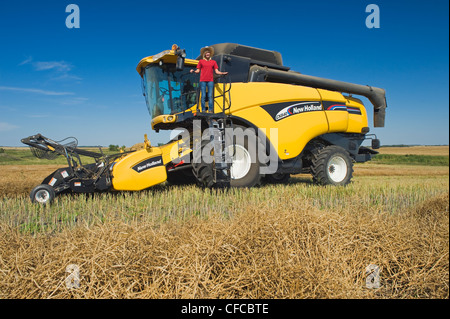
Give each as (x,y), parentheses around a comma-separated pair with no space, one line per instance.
(297,240)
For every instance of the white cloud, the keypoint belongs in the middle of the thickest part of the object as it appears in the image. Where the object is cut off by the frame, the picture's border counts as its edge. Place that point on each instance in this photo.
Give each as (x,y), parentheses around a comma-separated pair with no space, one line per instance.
(37,91)
(7,127)
(66,76)
(58,66)
(26,61)
(60,69)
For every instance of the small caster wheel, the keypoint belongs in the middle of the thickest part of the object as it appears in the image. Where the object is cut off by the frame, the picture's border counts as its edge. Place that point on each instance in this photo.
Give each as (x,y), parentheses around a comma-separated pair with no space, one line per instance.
(42,194)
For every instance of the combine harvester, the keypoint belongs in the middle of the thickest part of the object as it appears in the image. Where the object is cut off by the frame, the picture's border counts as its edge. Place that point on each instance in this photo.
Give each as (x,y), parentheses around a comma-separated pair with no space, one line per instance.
(265,122)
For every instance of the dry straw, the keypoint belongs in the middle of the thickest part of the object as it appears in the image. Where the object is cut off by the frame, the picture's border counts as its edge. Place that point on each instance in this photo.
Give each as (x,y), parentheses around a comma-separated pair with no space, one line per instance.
(275,251)
(277,241)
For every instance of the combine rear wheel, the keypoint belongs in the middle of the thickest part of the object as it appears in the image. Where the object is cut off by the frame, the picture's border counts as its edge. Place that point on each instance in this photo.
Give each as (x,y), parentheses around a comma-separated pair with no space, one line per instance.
(332,165)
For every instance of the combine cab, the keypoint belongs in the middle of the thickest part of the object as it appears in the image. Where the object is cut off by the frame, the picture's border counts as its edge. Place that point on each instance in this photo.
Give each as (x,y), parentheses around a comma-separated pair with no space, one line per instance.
(264,123)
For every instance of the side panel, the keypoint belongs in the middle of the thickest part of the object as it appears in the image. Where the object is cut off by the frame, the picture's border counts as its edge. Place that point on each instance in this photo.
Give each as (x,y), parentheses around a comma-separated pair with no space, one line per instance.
(295,111)
(344,113)
(139,170)
(248,95)
(357,115)
(298,113)
(145,168)
(337,121)
(335,110)
(175,150)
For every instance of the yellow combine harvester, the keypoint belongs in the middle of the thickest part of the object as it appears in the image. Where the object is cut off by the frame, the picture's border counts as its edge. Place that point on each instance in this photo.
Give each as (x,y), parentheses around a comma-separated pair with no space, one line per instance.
(264,123)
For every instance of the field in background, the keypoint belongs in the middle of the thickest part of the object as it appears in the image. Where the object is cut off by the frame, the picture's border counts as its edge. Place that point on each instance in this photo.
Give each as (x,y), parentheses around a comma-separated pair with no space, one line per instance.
(276,241)
(22,155)
(416,150)
(20,171)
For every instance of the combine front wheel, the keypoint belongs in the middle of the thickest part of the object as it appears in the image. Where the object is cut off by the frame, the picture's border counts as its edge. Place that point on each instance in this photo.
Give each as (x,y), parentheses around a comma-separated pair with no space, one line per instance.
(245,165)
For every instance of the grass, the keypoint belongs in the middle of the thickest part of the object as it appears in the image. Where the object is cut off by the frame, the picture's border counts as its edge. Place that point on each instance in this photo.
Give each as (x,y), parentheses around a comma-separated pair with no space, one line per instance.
(166,203)
(393,159)
(297,240)
(276,241)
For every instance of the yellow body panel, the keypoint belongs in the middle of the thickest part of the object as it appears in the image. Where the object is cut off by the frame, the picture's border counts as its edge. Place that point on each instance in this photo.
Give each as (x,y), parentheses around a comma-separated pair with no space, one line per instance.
(294,132)
(173,150)
(337,121)
(356,122)
(129,179)
(331,96)
(145,168)
(167,56)
(247,95)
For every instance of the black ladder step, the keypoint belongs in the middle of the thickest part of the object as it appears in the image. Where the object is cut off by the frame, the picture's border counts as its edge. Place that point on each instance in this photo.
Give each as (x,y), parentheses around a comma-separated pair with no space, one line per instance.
(221,167)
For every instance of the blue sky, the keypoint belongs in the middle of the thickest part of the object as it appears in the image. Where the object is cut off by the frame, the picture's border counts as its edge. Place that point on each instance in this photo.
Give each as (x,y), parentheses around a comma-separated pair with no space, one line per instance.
(82,82)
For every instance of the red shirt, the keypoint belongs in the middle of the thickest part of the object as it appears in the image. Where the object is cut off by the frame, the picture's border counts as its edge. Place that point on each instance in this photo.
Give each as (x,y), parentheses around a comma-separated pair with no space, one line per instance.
(207,70)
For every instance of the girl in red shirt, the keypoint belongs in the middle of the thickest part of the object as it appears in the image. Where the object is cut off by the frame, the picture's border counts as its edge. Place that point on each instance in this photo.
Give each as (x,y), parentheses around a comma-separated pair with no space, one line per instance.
(207,66)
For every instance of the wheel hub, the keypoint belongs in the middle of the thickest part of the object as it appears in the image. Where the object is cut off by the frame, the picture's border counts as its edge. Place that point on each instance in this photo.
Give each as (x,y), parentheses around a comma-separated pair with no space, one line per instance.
(337,169)
(42,196)
(241,161)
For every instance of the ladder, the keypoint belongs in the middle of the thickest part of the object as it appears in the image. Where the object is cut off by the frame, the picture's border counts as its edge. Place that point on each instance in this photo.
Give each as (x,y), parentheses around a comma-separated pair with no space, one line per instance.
(222,159)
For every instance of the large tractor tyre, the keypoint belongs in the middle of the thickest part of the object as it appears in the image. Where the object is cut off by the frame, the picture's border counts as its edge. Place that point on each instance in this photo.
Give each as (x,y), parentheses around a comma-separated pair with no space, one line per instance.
(245,168)
(203,169)
(42,194)
(332,165)
(181,177)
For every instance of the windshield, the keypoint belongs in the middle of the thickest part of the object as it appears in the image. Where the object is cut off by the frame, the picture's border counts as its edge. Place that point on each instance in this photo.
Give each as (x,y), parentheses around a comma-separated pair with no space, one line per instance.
(168,91)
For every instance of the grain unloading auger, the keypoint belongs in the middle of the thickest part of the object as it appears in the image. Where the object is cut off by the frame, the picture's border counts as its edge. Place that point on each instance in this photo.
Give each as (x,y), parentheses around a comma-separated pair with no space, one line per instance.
(265,122)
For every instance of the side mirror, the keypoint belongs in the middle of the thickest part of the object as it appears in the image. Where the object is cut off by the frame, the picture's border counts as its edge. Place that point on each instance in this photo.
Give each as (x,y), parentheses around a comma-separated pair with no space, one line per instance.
(181,55)
(375,144)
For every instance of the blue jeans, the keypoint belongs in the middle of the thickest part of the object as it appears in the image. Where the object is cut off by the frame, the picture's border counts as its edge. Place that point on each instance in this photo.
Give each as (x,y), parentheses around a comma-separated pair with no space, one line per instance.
(210,94)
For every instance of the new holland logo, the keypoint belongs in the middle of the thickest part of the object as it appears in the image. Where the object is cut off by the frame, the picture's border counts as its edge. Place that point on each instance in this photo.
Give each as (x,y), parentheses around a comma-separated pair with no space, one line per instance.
(147,164)
(297,109)
(283,110)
